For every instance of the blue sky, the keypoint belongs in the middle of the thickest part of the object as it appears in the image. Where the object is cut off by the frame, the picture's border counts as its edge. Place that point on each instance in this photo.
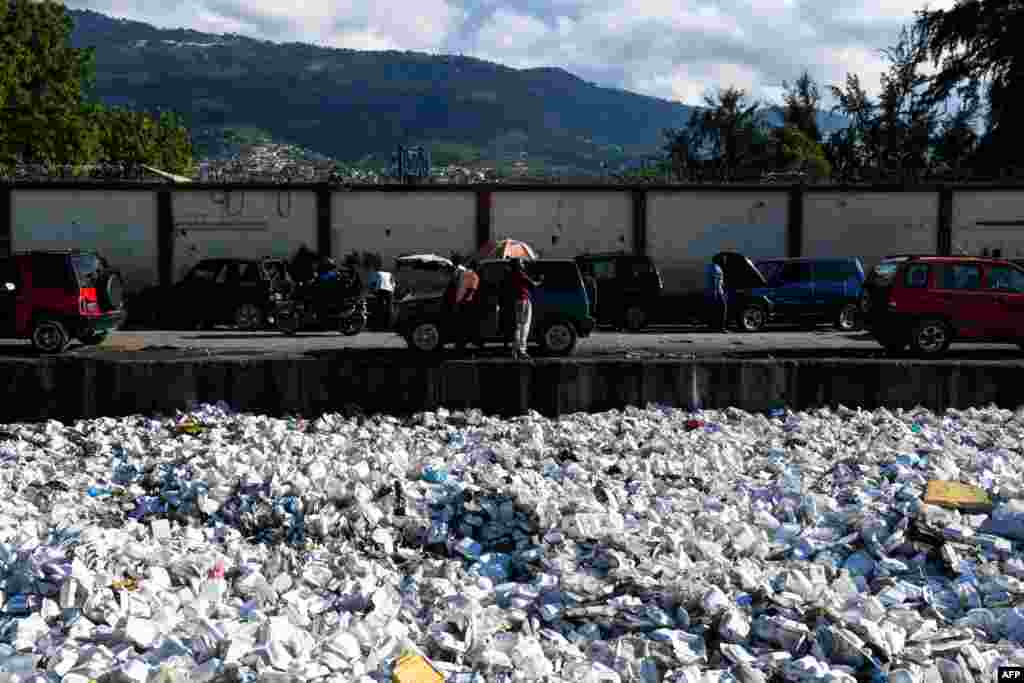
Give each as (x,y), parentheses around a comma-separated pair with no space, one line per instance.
(677,50)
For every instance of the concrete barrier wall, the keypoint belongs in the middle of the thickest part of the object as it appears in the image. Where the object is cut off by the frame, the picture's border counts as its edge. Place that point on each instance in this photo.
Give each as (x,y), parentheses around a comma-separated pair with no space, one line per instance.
(870,225)
(397,223)
(685,229)
(240,224)
(565,224)
(987,221)
(121,224)
(69,388)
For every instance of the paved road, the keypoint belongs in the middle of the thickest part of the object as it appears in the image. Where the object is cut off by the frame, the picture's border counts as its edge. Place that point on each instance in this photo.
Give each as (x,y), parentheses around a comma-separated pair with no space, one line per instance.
(658,342)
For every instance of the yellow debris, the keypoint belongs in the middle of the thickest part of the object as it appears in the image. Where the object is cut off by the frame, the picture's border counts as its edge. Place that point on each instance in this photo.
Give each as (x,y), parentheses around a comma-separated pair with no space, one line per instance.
(413,668)
(953,494)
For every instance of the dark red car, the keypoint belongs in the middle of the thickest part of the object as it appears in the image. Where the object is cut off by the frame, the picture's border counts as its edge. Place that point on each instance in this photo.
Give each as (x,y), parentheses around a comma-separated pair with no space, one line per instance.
(52,297)
(928,302)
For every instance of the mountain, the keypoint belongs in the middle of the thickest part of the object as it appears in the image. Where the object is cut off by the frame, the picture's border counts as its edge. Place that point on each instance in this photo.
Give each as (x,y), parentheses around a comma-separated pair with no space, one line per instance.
(357,106)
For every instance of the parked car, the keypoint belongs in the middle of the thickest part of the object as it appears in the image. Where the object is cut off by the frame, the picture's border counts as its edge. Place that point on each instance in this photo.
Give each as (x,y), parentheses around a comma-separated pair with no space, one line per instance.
(628,287)
(929,302)
(52,297)
(814,290)
(561,310)
(217,291)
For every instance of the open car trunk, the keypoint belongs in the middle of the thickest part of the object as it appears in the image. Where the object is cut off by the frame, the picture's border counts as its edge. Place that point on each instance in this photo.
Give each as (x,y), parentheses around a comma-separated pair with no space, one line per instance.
(740,272)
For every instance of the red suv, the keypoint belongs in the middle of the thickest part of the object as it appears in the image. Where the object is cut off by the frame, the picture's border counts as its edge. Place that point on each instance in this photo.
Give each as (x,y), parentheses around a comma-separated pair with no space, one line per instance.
(52,297)
(930,301)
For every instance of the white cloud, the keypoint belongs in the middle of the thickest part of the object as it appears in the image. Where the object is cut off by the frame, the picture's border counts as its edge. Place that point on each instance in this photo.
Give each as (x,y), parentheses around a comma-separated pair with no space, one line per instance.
(666,48)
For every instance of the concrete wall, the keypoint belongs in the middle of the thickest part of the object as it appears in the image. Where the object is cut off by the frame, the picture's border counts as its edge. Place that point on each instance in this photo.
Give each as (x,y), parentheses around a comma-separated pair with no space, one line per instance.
(870,225)
(394,224)
(70,388)
(973,210)
(685,229)
(240,223)
(121,224)
(565,224)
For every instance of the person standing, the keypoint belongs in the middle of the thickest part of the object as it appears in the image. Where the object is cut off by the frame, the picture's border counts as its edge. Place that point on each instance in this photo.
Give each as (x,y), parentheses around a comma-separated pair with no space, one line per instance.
(522,286)
(466,316)
(717,304)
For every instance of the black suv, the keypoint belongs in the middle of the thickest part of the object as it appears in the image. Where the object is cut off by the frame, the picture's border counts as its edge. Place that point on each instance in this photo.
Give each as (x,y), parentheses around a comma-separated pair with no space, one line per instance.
(628,287)
(561,310)
(216,291)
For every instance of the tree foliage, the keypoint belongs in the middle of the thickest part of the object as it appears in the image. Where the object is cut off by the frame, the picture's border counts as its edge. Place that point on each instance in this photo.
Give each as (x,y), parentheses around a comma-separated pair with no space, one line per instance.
(802,100)
(976,45)
(47,114)
(728,126)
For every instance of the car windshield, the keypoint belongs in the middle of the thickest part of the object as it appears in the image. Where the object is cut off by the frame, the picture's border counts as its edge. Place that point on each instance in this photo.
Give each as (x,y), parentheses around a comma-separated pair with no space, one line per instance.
(88,268)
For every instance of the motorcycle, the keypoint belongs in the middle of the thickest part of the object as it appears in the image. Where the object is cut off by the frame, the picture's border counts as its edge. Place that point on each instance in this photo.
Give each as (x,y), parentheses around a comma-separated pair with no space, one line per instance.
(349,316)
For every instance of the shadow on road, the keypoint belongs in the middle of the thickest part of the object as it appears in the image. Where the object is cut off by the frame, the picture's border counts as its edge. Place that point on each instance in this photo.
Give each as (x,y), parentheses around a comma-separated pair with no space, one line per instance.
(954,354)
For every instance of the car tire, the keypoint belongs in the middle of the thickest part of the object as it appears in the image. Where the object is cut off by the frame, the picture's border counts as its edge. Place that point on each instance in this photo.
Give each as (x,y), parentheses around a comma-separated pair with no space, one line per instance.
(50,336)
(249,317)
(425,337)
(752,318)
(558,338)
(635,319)
(848,319)
(931,337)
(93,338)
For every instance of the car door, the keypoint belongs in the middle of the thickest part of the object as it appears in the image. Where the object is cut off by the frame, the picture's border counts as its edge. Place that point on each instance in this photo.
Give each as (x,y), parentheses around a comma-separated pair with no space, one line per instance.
(609,293)
(1006,286)
(835,284)
(492,283)
(973,312)
(196,294)
(794,294)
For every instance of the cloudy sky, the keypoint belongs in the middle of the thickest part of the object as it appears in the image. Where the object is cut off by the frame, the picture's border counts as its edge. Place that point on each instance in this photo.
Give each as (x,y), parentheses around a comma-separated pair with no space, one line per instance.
(674,49)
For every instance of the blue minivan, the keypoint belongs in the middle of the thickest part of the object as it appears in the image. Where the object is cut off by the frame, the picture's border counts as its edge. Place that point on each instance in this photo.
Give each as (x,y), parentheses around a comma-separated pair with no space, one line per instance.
(814,290)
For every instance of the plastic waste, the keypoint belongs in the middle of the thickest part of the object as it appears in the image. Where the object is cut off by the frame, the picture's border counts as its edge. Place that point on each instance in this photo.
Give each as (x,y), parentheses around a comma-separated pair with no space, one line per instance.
(645,544)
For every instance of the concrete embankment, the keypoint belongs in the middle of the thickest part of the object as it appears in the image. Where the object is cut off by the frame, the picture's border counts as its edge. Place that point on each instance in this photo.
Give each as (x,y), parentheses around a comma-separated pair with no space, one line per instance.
(68,388)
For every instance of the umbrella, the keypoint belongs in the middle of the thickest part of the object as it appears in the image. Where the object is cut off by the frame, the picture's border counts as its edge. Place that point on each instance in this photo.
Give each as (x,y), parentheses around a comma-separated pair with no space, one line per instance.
(507,249)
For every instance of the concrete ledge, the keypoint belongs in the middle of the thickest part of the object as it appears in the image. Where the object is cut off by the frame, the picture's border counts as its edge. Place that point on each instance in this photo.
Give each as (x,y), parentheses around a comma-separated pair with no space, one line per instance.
(70,388)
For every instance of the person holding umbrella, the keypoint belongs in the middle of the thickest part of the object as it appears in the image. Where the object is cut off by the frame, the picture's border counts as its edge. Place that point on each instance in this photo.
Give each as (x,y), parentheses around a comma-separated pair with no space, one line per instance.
(522,286)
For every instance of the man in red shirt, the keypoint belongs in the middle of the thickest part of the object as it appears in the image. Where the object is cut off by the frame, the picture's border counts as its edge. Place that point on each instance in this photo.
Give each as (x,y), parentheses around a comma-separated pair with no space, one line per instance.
(522,286)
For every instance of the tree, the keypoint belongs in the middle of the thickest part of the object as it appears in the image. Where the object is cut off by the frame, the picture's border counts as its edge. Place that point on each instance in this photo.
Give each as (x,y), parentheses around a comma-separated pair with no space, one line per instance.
(976,46)
(679,148)
(801,101)
(800,152)
(906,119)
(728,123)
(957,139)
(41,79)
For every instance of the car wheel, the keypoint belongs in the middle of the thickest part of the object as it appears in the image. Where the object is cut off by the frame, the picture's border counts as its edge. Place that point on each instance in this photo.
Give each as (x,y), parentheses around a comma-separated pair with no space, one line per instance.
(558,338)
(635,318)
(425,337)
(249,317)
(49,336)
(931,337)
(93,338)
(752,318)
(848,318)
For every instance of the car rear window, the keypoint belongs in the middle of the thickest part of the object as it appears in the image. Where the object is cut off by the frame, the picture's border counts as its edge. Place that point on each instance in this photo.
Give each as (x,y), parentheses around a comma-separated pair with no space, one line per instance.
(87,268)
(556,275)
